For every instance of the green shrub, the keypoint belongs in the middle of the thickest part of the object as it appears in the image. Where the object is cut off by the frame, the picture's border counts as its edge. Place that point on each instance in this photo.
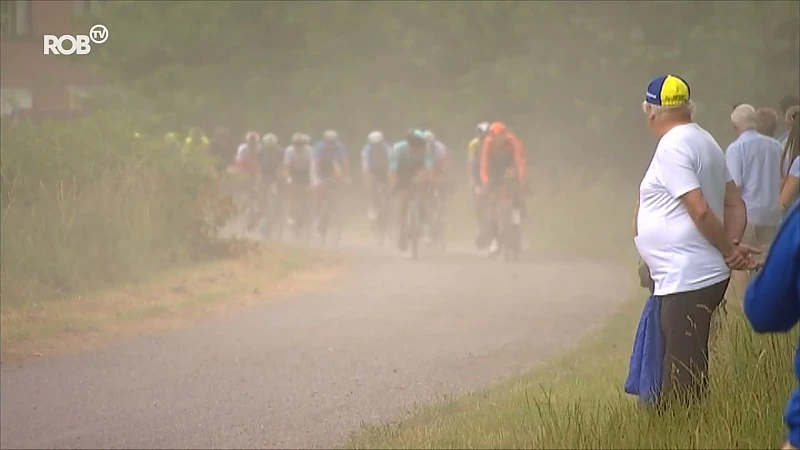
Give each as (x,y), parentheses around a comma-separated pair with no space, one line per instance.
(84,204)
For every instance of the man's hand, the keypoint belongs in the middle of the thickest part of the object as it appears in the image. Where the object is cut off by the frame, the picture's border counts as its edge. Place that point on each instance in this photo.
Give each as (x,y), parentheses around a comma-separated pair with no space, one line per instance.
(788,446)
(741,257)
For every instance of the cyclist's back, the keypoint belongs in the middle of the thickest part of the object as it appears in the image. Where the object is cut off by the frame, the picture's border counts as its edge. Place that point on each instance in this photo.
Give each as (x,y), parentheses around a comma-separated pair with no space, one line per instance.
(501,150)
(271,156)
(375,160)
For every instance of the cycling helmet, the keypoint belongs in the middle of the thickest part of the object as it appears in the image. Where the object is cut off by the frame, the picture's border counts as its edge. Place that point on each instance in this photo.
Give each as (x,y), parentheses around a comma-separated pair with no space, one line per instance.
(497,128)
(252,137)
(330,135)
(297,138)
(482,128)
(305,138)
(171,139)
(195,133)
(415,137)
(270,139)
(376,137)
(430,137)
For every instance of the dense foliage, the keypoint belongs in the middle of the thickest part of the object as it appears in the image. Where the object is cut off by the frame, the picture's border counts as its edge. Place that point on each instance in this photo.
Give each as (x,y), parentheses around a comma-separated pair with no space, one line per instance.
(568,76)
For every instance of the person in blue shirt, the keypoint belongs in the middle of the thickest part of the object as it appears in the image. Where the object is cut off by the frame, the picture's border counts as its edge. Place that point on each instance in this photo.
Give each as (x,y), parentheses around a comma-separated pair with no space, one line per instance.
(772,302)
(410,163)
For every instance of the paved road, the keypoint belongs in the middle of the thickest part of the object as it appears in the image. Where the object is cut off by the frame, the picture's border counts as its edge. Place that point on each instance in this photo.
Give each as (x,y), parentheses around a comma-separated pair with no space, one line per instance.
(305,371)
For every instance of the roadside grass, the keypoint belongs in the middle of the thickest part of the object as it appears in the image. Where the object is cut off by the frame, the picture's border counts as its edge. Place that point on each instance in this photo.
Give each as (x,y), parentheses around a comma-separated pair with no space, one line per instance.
(168,299)
(578,402)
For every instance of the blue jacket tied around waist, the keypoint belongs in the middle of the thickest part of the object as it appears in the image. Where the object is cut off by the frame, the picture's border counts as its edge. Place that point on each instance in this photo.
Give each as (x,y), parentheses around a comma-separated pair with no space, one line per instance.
(644,372)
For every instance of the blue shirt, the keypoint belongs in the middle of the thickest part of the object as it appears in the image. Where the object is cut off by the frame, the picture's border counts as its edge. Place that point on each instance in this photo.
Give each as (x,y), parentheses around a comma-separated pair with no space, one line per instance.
(754,161)
(367,156)
(772,301)
(401,155)
(329,151)
(794,169)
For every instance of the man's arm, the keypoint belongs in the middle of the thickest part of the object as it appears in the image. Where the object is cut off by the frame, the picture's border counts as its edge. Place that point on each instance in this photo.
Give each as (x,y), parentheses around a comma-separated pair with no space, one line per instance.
(680,180)
(636,220)
(735,212)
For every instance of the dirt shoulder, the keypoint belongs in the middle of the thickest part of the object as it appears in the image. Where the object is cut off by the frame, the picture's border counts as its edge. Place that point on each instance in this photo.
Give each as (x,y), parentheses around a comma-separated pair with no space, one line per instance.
(169,301)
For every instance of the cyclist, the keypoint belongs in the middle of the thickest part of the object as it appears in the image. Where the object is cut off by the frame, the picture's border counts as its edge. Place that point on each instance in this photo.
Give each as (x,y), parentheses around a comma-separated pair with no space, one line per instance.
(247,155)
(248,163)
(196,142)
(474,176)
(221,146)
(410,162)
(438,152)
(271,158)
(329,161)
(297,172)
(502,151)
(172,143)
(375,168)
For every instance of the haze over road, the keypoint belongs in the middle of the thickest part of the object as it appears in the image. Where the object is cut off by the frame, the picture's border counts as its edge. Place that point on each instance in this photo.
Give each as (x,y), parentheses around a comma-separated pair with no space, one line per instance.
(304,371)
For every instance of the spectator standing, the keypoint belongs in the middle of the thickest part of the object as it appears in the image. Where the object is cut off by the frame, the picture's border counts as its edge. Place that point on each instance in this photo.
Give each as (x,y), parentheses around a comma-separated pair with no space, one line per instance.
(684,197)
(754,162)
(791,183)
(792,116)
(767,121)
(786,103)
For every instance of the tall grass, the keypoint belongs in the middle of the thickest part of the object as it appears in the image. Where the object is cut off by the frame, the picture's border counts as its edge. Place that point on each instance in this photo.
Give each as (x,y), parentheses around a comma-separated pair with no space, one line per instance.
(84,205)
(579,402)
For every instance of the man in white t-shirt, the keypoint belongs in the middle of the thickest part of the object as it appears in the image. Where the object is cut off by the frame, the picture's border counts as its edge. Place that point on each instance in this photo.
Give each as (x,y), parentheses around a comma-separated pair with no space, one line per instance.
(684,197)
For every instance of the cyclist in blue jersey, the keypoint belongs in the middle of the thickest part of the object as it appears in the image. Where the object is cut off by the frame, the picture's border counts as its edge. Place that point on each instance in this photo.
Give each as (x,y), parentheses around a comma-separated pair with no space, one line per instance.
(328,163)
(375,168)
(410,163)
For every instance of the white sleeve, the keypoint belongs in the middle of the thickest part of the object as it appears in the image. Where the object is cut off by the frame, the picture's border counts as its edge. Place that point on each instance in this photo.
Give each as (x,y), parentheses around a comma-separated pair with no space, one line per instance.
(733,159)
(678,173)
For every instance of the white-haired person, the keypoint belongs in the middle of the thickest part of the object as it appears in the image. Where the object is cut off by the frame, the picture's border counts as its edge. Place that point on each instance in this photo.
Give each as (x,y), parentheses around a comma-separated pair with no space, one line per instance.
(754,162)
(689,220)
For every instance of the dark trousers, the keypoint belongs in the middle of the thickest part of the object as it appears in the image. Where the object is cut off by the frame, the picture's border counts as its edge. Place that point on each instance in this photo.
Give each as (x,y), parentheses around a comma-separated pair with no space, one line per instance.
(685,323)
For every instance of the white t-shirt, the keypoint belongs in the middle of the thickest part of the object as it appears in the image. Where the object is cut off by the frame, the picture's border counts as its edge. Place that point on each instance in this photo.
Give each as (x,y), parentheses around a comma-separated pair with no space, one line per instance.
(680,258)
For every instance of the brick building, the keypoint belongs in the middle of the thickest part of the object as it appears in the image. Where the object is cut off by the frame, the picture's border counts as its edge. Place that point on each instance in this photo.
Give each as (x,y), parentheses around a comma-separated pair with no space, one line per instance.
(31,82)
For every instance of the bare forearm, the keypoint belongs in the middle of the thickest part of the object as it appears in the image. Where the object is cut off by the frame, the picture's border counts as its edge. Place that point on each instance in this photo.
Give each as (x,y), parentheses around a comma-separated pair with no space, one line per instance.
(636,220)
(713,230)
(735,221)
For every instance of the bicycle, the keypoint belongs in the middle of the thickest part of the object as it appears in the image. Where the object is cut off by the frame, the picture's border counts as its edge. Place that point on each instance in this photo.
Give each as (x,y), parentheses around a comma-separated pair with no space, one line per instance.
(329,219)
(509,222)
(382,210)
(272,217)
(413,223)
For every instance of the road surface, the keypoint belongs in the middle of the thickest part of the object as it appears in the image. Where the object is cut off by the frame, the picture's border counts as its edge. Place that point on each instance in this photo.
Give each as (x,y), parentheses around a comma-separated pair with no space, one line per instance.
(305,371)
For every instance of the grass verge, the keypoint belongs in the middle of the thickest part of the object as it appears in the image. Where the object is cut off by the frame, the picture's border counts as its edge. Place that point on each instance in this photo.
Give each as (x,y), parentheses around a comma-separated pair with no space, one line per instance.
(578,402)
(167,300)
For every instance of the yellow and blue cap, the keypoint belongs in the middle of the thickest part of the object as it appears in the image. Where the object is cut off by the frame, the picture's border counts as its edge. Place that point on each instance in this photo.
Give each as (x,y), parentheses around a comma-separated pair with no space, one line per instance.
(667,90)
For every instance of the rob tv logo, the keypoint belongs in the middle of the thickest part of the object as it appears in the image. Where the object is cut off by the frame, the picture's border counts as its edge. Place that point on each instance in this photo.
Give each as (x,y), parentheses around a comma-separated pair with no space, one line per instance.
(80,44)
